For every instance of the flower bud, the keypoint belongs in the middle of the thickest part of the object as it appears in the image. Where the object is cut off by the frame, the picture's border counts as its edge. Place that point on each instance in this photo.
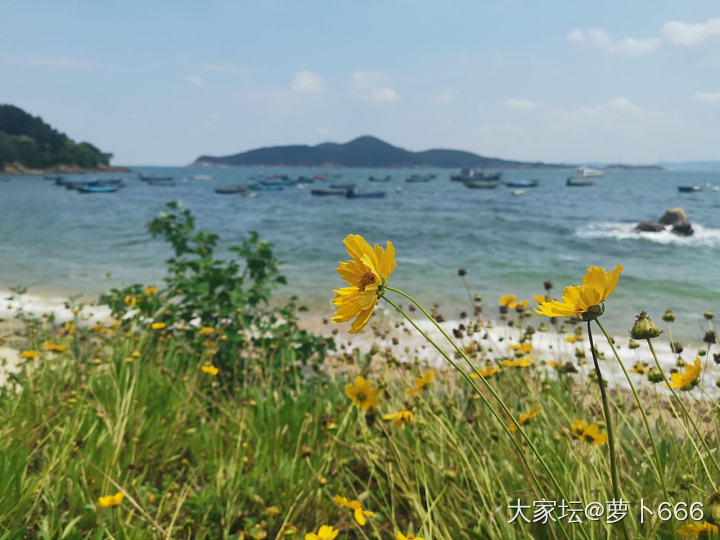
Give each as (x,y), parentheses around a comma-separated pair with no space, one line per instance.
(712,509)
(633,344)
(709,337)
(478,298)
(655,375)
(708,314)
(669,316)
(462,272)
(644,327)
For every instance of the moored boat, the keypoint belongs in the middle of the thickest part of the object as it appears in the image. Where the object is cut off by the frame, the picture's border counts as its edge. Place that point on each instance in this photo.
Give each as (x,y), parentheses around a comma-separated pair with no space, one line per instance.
(524,183)
(323,192)
(379,178)
(341,185)
(480,184)
(146,178)
(352,194)
(90,188)
(689,189)
(572,181)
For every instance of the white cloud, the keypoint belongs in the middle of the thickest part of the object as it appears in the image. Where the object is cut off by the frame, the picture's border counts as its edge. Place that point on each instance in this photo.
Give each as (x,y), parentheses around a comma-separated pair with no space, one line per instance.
(597,37)
(521,104)
(307,82)
(681,33)
(707,97)
(195,80)
(373,86)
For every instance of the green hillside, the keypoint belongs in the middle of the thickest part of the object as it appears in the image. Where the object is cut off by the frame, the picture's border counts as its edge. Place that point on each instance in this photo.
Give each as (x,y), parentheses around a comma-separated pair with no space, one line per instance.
(27,142)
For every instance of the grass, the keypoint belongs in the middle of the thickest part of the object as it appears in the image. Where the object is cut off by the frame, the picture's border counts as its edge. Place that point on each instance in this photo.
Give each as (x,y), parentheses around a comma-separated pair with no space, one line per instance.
(198,456)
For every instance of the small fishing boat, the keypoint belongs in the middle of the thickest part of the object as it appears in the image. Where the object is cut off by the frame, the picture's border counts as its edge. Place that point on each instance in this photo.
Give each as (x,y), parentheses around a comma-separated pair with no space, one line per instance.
(481,184)
(107,182)
(585,172)
(323,192)
(89,188)
(340,185)
(689,189)
(517,192)
(524,183)
(351,194)
(235,188)
(380,178)
(572,181)
(145,178)
(473,174)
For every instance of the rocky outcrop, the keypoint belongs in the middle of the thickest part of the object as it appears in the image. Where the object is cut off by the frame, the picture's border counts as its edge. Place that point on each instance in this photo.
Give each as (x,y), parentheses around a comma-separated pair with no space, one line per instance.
(673,216)
(649,226)
(676,218)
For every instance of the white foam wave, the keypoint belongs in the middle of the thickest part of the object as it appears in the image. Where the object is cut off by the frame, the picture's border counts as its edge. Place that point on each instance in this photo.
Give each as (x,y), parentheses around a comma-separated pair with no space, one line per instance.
(703,236)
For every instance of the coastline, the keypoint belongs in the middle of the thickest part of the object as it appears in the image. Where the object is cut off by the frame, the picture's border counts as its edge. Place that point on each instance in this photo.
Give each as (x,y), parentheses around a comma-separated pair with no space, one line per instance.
(20,169)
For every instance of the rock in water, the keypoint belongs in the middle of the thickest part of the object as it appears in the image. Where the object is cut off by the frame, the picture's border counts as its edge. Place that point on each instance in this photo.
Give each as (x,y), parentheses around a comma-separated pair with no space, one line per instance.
(649,226)
(673,216)
(683,228)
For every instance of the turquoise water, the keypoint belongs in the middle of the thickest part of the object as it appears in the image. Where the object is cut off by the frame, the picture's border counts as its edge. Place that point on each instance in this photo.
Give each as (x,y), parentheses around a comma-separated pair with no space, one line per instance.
(55,240)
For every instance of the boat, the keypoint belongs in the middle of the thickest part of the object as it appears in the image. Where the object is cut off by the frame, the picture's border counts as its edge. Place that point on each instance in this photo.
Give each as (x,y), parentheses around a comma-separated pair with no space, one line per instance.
(351,194)
(480,184)
(524,183)
(689,189)
(380,178)
(417,178)
(340,185)
(473,174)
(517,192)
(586,172)
(145,178)
(235,188)
(164,183)
(572,181)
(322,192)
(89,188)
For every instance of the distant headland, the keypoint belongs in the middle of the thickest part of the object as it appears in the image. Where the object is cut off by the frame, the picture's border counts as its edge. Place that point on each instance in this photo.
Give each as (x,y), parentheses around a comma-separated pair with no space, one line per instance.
(364,151)
(28,145)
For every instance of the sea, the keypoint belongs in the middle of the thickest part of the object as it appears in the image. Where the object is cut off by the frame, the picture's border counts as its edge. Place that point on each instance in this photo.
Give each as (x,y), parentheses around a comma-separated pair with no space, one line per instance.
(59,242)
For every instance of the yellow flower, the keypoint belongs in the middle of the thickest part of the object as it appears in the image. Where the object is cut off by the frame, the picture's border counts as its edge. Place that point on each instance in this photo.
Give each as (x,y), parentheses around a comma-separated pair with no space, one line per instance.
(486,372)
(205,330)
(685,381)
(400,417)
(130,300)
(421,382)
(523,348)
(520,305)
(507,299)
(362,394)
(597,285)
(525,418)
(111,500)
(272,511)
(366,273)
(356,507)
(539,298)
(697,529)
(574,338)
(588,432)
(158,325)
(149,291)
(523,362)
(29,355)
(326,532)
(209,369)
(639,369)
(52,346)
(401,536)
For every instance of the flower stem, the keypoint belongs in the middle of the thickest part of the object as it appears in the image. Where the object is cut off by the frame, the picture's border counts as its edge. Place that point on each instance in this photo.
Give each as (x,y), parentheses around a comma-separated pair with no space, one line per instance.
(686,413)
(658,464)
(608,418)
(487,385)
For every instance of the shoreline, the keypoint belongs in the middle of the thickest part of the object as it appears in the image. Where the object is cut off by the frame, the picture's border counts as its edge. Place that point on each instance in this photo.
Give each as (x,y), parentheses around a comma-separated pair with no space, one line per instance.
(17,169)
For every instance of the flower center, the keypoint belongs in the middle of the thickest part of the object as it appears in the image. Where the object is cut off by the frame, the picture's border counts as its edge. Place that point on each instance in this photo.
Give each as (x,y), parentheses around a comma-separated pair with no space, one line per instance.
(368,278)
(361,397)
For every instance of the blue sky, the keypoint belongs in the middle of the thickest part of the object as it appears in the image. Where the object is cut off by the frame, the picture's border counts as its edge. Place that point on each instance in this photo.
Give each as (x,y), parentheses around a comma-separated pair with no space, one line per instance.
(163,82)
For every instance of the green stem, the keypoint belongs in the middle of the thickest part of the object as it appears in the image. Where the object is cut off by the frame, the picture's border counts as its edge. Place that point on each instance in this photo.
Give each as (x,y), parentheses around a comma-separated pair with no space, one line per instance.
(658,464)
(477,390)
(608,418)
(687,415)
(487,386)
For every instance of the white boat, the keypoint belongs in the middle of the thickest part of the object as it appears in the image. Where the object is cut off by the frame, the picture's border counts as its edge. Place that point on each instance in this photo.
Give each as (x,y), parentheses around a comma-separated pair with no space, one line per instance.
(585,172)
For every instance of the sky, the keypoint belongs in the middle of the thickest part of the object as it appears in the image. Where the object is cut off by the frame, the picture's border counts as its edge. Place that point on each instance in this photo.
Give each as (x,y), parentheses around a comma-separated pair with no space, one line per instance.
(162,82)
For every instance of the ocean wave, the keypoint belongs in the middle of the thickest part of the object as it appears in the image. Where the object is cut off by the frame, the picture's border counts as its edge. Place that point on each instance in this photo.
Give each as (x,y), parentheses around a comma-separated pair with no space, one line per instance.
(703,236)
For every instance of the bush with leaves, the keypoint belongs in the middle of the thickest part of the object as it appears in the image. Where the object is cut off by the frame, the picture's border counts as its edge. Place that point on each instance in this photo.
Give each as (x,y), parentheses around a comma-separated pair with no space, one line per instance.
(221,307)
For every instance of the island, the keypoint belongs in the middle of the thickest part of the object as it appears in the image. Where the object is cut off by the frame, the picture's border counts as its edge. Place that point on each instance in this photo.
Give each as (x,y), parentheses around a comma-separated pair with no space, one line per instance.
(365,151)
(28,145)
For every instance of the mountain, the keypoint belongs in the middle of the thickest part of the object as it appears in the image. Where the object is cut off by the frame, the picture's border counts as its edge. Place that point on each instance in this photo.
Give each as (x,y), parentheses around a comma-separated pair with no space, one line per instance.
(28,144)
(364,151)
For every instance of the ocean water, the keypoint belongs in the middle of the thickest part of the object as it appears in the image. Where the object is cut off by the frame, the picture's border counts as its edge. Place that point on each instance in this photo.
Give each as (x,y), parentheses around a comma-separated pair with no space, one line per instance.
(57,241)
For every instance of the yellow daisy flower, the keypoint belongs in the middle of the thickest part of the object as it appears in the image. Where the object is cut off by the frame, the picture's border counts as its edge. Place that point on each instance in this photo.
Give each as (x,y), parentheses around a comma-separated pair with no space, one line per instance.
(401,417)
(507,299)
(688,379)
(525,418)
(111,500)
(326,532)
(697,529)
(358,513)
(130,300)
(401,536)
(52,346)
(522,362)
(366,273)
(421,382)
(29,355)
(362,394)
(149,291)
(210,370)
(523,347)
(596,287)
(485,372)
(158,325)
(588,432)
(205,330)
